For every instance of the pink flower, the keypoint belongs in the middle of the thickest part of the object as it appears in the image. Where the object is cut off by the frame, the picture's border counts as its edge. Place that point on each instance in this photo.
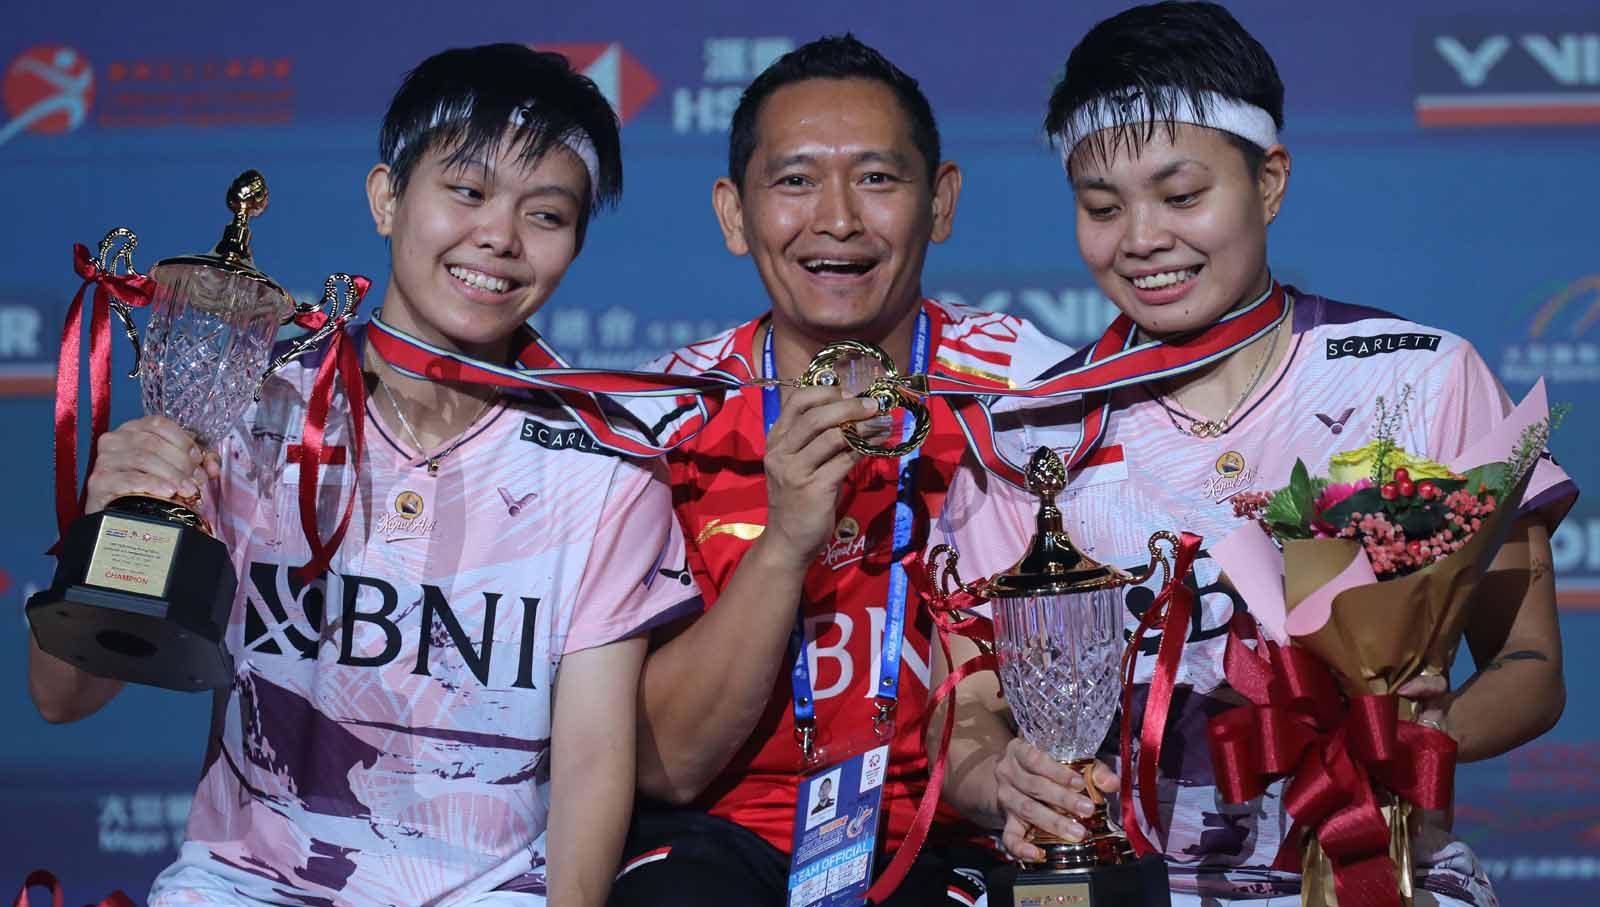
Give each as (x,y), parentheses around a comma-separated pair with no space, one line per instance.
(1337,492)
(1329,497)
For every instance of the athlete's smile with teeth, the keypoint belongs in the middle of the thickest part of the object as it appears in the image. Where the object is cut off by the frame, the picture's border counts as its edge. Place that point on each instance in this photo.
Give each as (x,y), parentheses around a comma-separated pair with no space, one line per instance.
(1164,278)
(480,280)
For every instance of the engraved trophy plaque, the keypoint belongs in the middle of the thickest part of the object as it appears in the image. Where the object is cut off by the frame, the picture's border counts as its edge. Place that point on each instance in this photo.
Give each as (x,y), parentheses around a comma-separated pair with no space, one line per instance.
(1058,620)
(143,590)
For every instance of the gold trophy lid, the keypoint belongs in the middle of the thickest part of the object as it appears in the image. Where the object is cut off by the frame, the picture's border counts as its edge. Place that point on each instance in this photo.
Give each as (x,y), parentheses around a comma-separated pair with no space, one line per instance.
(1053,564)
(247,198)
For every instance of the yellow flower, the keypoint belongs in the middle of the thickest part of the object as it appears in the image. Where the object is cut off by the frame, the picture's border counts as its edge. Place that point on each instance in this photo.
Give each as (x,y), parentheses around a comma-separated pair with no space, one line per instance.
(1352,465)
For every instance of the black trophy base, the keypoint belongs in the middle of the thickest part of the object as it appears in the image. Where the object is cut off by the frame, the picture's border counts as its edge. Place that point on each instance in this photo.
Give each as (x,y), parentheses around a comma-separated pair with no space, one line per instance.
(140,598)
(1139,883)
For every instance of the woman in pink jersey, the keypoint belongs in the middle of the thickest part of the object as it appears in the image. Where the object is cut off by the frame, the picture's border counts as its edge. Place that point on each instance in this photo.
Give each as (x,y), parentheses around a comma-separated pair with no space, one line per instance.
(1167,117)
(398,731)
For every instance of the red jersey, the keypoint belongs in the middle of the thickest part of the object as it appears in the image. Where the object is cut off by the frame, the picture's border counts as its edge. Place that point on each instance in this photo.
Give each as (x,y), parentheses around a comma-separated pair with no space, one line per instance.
(719,493)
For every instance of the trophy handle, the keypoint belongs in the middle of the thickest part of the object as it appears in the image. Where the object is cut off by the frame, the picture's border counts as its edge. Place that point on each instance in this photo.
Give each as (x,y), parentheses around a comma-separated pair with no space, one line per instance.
(107,262)
(1156,557)
(889,392)
(338,303)
(948,579)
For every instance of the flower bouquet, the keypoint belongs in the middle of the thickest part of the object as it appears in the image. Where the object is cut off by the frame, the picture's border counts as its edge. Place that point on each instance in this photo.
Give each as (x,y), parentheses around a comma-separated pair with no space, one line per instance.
(1360,580)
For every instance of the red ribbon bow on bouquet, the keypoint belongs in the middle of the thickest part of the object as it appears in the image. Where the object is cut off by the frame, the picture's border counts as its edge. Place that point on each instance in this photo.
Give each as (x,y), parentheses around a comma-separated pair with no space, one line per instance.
(46,879)
(944,610)
(1300,726)
(130,289)
(342,361)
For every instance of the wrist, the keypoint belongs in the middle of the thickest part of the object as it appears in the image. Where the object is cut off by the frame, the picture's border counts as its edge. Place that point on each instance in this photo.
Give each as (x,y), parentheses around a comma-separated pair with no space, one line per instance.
(777,558)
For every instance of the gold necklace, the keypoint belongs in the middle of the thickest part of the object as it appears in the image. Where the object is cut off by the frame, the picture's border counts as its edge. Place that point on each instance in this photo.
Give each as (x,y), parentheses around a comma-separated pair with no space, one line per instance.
(1216,428)
(433,461)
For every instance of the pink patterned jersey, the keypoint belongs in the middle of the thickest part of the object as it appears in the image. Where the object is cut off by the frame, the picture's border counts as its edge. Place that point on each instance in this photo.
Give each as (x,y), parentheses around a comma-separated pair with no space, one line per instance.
(1147,477)
(387,736)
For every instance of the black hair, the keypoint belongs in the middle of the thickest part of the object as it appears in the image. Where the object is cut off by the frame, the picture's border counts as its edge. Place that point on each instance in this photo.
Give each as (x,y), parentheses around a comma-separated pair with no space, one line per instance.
(1136,65)
(464,99)
(832,57)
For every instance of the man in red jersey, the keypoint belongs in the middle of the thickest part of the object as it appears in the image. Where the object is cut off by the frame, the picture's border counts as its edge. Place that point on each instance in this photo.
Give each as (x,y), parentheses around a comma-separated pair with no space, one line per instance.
(835,188)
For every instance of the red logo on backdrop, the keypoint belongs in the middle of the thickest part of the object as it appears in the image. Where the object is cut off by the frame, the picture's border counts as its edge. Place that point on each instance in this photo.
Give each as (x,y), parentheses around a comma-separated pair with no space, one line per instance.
(620,76)
(47,89)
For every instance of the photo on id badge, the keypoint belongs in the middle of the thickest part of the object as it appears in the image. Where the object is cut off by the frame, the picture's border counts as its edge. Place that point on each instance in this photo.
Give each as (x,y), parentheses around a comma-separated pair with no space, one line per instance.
(823,798)
(836,830)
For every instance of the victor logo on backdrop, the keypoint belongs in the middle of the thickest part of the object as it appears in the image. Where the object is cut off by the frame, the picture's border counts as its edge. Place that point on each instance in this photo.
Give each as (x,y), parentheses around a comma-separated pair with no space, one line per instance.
(1507,71)
(1072,315)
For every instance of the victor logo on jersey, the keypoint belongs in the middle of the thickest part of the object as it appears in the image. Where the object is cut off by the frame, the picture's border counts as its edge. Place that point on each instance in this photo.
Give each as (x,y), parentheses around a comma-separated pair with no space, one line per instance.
(1336,426)
(1362,347)
(374,630)
(849,545)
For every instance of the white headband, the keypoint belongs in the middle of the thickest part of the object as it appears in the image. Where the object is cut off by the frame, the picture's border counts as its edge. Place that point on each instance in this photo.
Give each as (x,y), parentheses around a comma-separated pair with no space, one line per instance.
(1230,115)
(576,141)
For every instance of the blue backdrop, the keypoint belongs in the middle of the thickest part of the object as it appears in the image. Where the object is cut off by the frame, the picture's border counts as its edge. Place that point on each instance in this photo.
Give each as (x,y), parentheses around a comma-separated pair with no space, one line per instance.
(1445,168)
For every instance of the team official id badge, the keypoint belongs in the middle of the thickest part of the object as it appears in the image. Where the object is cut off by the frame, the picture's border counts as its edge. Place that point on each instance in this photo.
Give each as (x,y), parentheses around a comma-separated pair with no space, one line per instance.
(836,826)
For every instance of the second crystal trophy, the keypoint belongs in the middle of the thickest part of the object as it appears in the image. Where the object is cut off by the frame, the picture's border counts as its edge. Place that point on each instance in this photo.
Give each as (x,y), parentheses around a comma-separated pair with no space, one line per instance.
(1058,628)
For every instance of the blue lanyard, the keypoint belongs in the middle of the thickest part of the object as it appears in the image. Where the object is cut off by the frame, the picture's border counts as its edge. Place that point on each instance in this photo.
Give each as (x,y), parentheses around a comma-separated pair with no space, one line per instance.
(895,610)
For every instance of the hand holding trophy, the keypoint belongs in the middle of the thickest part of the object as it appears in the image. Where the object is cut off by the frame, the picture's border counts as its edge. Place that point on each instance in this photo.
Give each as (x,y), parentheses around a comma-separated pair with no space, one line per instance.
(143,590)
(1058,622)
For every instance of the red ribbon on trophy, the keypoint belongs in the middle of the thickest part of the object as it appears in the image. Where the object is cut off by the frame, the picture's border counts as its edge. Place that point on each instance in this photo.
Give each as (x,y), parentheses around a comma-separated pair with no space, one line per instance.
(342,362)
(1173,608)
(948,618)
(134,290)
(1299,726)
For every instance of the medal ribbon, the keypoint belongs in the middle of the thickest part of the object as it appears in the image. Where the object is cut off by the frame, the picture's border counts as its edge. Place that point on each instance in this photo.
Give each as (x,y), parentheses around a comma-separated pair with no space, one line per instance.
(134,290)
(1116,361)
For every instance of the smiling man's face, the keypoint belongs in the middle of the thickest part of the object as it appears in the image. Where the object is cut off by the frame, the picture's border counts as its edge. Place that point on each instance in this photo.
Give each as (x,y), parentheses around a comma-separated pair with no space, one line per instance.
(837,208)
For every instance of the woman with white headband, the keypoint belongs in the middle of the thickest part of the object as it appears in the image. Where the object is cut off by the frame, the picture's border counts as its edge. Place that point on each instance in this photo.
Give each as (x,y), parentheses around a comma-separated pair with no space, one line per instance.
(1167,119)
(446,712)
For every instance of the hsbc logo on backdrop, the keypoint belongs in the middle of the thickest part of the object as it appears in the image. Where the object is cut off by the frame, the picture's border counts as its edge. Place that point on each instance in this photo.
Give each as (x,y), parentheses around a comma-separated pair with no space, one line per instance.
(619,75)
(1504,72)
(728,65)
